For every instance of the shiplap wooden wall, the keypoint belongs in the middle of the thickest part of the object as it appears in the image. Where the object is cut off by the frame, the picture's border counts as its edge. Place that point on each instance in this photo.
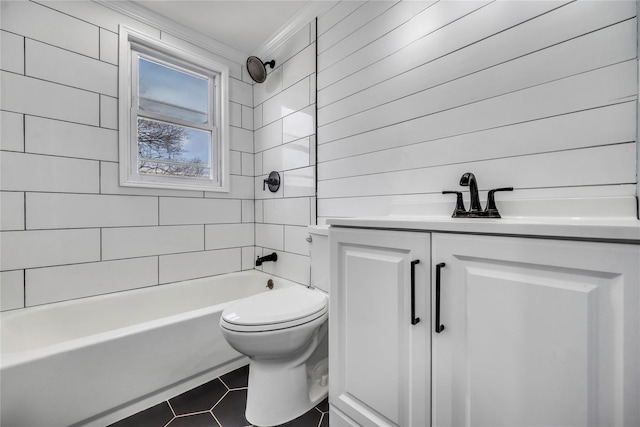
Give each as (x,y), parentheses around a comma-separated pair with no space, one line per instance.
(540,96)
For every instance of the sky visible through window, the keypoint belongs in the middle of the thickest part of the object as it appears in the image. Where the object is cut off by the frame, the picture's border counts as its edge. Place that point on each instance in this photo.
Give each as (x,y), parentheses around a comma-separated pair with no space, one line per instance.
(178,94)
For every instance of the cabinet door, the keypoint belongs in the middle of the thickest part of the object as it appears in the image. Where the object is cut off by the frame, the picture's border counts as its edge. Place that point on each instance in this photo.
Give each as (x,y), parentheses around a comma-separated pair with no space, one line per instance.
(537,333)
(379,361)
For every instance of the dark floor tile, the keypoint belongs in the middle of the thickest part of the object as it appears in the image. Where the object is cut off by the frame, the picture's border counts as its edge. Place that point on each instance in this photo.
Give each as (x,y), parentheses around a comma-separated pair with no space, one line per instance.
(324,405)
(238,378)
(325,420)
(309,419)
(197,420)
(199,399)
(230,410)
(156,416)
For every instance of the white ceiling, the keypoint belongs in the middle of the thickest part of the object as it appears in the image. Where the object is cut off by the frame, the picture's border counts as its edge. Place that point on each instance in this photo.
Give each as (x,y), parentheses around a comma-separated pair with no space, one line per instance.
(244,25)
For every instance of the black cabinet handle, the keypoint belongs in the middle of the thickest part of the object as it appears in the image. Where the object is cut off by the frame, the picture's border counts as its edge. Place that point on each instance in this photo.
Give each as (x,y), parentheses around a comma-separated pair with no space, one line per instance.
(438,327)
(414,320)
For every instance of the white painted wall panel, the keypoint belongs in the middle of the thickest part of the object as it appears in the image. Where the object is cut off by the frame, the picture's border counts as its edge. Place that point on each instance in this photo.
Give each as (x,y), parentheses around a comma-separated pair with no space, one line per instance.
(11,210)
(53,284)
(27,249)
(588,128)
(248,257)
(496,81)
(12,52)
(294,211)
(222,236)
(11,131)
(400,13)
(40,98)
(98,15)
(47,25)
(175,211)
(590,166)
(57,65)
(299,67)
(300,182)
(270,236)
(11,290)
(336,14)
(295,240)
(240,92)
(270,87)
(247,117)
(108,46)
(268,136)
(58,138)
(235,114)
(248,210)
(288,101)
(426,22)
(195,265)
(132,242)
(299,124)
(55,211)
(31,172)
(484,31)
(351,23)
(241,139)
(288,156)
(292,266)
(440,84)
(108,112)
(605,86)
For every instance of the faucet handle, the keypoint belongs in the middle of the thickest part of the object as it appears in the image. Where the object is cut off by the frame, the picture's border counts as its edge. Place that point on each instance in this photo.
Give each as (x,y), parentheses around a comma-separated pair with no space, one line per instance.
(460,210)
(491,211)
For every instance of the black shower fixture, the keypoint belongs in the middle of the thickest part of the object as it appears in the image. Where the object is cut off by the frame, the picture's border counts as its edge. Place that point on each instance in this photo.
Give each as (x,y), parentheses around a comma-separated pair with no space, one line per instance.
(258,69)
(273,181)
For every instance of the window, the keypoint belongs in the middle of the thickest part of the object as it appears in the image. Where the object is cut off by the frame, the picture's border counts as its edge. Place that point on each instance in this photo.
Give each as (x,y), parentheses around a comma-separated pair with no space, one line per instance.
(173,118)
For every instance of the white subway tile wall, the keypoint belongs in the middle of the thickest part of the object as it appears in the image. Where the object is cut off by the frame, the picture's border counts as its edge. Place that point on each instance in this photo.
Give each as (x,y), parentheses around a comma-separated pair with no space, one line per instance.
(68,229)
(540,96)
(284,122)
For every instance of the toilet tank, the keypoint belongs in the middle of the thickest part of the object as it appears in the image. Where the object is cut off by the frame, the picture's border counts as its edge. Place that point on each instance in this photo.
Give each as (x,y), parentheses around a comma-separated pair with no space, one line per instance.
(319,251)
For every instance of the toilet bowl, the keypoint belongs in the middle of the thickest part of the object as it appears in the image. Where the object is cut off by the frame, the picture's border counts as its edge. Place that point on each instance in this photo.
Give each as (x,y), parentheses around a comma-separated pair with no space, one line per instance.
(284,334)
(281,331)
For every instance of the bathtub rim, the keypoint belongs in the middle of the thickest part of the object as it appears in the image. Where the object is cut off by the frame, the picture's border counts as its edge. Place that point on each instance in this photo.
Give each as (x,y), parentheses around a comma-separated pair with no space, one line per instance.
(17,358)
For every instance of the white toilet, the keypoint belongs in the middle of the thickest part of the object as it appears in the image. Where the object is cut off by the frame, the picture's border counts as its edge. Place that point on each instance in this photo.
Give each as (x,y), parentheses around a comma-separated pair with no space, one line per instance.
(284,334)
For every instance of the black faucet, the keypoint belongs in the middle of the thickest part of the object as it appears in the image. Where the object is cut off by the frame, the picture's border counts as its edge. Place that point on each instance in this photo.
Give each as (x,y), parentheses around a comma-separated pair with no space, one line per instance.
(469,179)
(272,257)
(475,211)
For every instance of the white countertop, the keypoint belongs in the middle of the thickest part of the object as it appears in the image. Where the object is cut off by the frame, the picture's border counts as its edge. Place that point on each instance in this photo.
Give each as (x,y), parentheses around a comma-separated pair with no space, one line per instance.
(624,230)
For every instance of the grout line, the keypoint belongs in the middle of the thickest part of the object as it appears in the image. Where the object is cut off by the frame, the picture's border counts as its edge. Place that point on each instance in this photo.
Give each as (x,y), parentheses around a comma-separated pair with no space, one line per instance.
(215,418)
(171,407)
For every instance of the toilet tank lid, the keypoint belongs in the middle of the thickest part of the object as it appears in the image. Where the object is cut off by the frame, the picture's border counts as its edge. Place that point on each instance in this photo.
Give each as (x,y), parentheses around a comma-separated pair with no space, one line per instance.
(276,306)
(318,229)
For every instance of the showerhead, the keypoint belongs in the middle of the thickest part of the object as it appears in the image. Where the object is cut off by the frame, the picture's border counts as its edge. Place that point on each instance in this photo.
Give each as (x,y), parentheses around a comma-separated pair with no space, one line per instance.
(257,69)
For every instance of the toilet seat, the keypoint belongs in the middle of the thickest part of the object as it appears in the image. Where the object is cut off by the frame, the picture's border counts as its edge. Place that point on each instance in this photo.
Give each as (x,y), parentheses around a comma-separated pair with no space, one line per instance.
(273,310)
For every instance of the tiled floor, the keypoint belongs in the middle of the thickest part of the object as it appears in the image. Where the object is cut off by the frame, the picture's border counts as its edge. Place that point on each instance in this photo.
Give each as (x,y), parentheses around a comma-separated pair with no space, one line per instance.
(218,403)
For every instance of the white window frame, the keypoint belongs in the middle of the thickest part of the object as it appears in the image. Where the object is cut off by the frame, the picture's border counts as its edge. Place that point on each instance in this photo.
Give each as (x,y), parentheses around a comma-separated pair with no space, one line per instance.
(134,43)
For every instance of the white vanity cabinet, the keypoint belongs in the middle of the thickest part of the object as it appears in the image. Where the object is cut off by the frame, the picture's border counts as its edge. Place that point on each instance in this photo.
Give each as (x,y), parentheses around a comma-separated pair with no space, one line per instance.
(532,332)
(536,332)
(379,353)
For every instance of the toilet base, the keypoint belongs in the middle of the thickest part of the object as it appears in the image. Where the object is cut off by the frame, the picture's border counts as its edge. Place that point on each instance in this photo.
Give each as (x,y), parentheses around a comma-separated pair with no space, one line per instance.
(280,391)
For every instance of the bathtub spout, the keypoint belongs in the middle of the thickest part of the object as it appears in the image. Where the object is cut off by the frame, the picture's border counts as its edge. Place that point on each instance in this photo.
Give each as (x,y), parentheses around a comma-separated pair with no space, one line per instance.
(273,257)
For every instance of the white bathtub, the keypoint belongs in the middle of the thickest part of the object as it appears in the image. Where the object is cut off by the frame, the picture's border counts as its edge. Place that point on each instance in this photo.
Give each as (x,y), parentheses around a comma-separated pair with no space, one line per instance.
(96,360)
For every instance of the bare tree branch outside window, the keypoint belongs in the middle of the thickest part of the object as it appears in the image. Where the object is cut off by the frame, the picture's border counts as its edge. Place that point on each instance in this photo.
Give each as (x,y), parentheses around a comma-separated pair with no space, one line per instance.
(161,151)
